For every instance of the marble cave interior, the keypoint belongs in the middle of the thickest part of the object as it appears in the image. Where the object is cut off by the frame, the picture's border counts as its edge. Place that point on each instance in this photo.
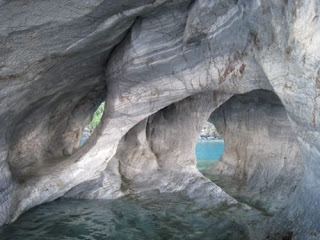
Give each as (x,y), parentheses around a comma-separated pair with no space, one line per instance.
(161,69)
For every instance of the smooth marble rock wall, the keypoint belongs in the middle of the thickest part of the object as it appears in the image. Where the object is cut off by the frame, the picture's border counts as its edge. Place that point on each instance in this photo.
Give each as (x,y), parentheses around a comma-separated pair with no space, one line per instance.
(262,154)
(159,154)
(60,59)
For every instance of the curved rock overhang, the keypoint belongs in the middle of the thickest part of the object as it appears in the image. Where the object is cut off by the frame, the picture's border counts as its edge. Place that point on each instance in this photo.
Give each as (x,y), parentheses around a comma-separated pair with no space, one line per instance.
(262,156)
(155,62)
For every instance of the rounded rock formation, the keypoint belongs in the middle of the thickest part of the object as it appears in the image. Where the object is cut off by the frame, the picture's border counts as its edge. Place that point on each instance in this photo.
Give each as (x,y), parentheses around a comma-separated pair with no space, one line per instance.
(163,67)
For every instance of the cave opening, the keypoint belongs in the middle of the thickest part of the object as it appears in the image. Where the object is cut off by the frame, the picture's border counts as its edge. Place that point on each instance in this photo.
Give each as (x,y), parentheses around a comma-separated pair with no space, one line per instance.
(93,124)
(261,164)
(209,147)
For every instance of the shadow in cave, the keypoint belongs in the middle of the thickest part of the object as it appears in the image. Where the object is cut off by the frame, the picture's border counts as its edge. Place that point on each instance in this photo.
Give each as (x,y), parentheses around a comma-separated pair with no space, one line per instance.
(53,138)
(261,163)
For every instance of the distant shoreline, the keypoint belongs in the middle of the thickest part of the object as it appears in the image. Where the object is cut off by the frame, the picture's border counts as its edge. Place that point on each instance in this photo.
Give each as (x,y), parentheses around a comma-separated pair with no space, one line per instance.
(210,140)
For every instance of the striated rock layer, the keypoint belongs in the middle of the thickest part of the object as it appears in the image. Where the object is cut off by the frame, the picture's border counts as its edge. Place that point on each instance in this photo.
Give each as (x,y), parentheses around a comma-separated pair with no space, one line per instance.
(262,155)
(163,67)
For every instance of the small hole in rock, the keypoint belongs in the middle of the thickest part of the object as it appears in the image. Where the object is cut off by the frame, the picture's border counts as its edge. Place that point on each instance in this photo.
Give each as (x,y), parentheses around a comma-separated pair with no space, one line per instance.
(95,121)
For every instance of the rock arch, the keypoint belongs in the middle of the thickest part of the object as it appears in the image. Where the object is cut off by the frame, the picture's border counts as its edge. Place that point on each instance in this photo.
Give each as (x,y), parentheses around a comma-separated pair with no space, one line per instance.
(262,154)
(149,59)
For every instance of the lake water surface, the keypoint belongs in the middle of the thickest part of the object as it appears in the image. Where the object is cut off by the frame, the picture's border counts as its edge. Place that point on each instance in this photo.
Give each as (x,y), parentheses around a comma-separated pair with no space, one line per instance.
(161,216)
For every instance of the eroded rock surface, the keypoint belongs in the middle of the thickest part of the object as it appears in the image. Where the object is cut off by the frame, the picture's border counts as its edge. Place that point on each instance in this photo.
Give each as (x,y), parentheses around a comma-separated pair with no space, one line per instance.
(262,156)
(161,66)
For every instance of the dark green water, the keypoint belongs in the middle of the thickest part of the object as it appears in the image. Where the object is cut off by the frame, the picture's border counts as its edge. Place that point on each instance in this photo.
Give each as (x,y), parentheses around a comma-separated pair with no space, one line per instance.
(160,217)
(153,216)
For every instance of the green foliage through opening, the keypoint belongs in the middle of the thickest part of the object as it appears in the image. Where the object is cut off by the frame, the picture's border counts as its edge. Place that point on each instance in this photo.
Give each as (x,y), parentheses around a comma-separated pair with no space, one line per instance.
(96,119)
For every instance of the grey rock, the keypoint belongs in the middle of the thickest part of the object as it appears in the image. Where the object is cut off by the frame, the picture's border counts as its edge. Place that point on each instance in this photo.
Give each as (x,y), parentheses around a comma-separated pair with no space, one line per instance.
(262,155)
(162,67)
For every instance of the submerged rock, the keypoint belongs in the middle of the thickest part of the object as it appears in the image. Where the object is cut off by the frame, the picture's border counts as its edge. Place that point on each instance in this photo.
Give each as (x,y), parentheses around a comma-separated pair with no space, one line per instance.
(163,67)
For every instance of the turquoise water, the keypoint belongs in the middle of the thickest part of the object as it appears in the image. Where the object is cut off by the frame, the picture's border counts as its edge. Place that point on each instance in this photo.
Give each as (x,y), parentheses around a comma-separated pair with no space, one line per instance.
(208,152)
